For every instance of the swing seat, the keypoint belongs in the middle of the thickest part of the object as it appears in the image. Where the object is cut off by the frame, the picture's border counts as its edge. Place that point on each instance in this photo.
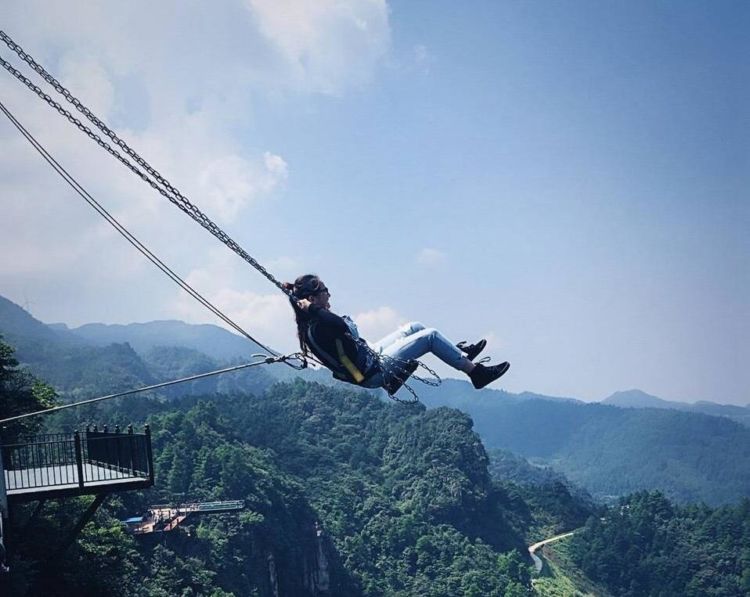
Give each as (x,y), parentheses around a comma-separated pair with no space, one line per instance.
(397,376)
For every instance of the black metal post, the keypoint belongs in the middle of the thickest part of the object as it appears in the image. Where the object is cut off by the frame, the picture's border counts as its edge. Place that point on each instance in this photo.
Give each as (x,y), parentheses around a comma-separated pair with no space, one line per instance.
(131,450)
(149,454)
(87,516)
(79,457)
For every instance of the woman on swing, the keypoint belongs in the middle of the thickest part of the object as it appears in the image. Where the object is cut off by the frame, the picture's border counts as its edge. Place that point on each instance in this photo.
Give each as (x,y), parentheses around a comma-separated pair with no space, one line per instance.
(336,343)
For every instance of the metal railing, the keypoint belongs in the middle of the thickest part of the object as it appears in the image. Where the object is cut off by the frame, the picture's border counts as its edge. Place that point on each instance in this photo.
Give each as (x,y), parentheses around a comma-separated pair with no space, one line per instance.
(80,459)
(226,505)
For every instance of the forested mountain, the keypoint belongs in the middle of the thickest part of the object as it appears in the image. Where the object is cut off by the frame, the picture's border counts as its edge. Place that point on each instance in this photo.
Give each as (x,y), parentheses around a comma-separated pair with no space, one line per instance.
(67,362)
(554,504)
(350,494)
(79,368)
(646,545)
(345,495)
(613,451)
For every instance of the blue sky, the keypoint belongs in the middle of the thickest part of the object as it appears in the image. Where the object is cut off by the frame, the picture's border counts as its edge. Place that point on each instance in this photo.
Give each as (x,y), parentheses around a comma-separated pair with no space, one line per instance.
(568,179)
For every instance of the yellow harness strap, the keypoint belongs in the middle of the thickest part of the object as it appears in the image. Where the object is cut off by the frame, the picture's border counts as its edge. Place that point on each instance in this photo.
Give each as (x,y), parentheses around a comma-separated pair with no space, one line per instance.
(346,362)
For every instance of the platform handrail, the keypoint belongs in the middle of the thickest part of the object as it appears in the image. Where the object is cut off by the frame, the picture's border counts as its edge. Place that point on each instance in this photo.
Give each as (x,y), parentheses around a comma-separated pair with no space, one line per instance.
(81,458)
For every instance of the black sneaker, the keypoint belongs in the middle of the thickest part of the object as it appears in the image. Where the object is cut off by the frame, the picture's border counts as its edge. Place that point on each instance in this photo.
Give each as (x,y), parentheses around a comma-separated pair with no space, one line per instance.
(397,376)
(472,350)
(481,376)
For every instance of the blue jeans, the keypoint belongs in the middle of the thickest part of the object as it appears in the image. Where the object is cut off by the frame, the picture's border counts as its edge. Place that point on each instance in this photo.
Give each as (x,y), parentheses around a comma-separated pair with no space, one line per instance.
(412,341)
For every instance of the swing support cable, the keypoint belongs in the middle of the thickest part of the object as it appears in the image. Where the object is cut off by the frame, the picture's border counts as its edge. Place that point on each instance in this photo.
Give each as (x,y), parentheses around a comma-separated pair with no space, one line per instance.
(151,176)
(158,182)
(86,196)
(265,361)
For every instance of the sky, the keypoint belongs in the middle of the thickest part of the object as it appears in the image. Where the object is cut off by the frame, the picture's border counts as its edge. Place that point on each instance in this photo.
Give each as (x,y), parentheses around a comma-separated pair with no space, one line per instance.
(566,179)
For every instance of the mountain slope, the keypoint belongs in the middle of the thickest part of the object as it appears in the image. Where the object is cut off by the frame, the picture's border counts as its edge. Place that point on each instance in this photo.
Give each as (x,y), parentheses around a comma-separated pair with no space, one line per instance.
(612,451)
(20,328)
(67,362)
(86,365)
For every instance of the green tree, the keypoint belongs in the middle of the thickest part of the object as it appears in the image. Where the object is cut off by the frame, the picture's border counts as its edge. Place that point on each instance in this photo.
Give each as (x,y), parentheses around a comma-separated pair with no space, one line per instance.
(20,393)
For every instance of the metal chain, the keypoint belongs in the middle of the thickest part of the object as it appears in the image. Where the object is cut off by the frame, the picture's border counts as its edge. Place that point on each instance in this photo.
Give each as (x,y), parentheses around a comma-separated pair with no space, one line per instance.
(387,365)
(166,189)
(158,183)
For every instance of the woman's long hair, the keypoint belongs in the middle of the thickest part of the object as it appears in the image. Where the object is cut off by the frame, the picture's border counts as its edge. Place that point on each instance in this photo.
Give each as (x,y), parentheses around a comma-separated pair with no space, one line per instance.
(303,287)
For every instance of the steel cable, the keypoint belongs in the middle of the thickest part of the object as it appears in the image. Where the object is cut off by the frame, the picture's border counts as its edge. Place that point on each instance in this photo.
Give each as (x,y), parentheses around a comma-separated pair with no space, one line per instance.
(266,360)
(158,182)
(86,196)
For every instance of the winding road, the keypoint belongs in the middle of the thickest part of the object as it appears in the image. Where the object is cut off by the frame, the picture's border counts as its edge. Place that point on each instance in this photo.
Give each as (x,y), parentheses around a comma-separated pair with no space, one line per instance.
(538,563)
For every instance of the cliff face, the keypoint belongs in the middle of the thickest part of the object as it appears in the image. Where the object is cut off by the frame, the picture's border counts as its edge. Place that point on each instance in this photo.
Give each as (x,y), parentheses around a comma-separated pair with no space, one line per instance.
(316,569)
(272,548)
(317,579)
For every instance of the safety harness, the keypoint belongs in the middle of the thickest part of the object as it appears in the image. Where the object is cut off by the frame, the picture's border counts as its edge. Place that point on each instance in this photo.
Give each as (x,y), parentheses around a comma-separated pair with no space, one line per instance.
(341,365)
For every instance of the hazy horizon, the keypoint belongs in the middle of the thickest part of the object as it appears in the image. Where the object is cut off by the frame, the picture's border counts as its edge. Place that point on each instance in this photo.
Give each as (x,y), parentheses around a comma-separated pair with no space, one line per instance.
(528,390)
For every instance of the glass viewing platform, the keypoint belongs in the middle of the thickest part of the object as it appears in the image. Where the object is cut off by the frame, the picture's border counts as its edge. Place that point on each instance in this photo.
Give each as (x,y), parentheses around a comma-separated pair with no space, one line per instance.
(88,462)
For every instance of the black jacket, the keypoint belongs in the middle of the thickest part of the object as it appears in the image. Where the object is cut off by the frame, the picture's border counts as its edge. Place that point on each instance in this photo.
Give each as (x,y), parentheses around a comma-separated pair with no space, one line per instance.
(329,338)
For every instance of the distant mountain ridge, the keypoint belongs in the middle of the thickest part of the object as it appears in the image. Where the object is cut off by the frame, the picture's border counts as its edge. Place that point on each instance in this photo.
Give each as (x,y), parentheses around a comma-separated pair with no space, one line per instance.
(211,340)
(614,451)
(607,449)
(639,399)
(67,362)
(101,359)
(18,324)
(220,345)
(636,399)
(48,350)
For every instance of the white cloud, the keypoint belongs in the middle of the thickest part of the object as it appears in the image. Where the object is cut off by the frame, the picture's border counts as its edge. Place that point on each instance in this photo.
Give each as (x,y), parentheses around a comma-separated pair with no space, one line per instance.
(180,87)
(325,44)
(430,257)
(265,316)
(275,165)
(230,182)
(91,80)
(378,323)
